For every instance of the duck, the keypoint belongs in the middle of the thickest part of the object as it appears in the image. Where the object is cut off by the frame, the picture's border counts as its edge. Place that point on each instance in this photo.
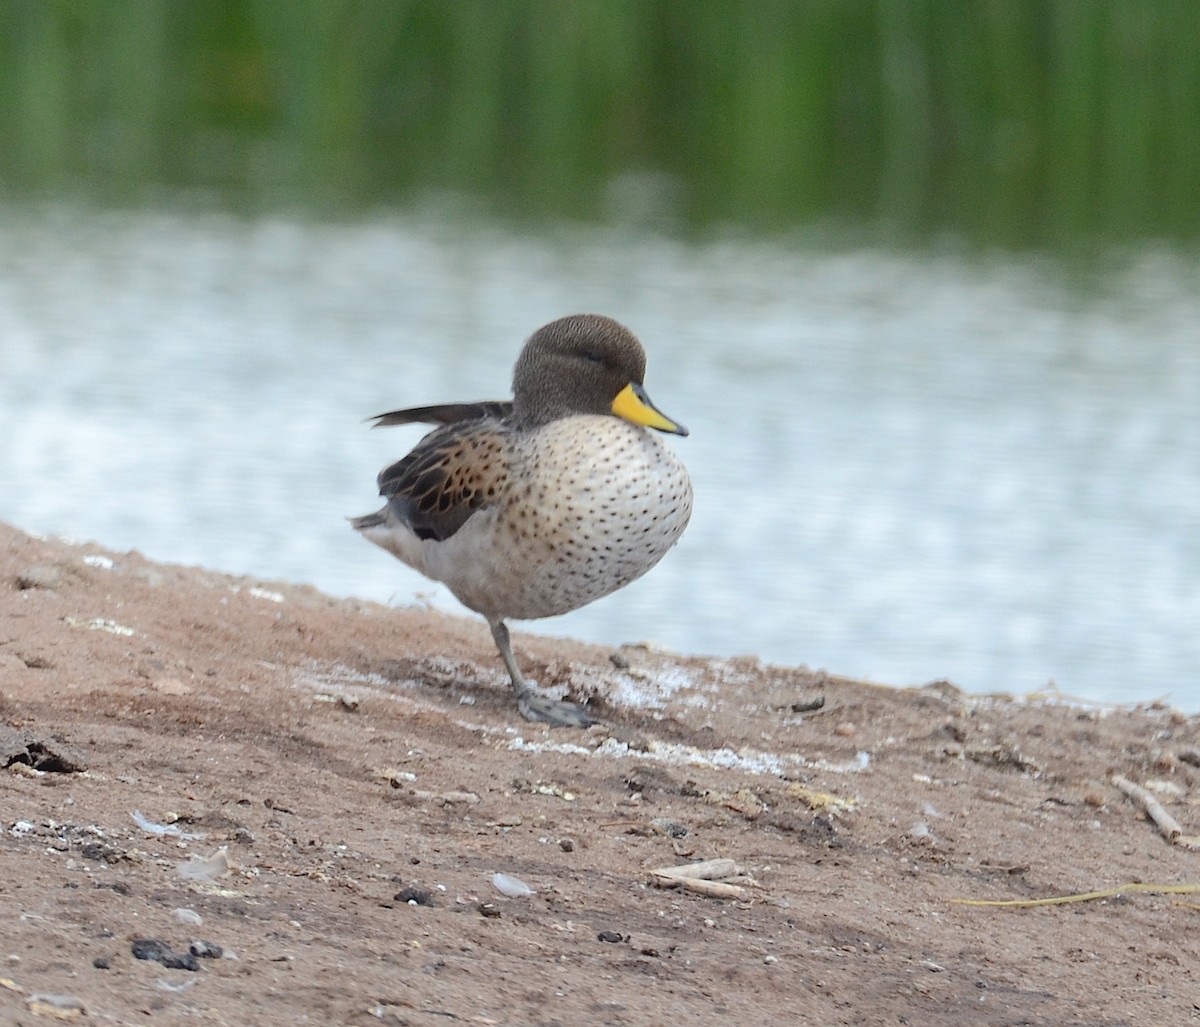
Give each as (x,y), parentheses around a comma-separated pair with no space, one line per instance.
(536,506)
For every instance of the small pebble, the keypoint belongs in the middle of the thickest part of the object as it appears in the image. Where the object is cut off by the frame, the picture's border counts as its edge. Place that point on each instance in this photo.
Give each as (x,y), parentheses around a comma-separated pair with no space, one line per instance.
(102,963)
(206,950)
(846,729)
(612,937)
(567,844)
(414,896)
(150,948)
(160,952)
(490,910)
(671,828)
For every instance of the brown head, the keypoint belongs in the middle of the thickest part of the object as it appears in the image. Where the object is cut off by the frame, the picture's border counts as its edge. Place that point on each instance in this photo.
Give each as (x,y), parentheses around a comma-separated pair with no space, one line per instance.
(584,364)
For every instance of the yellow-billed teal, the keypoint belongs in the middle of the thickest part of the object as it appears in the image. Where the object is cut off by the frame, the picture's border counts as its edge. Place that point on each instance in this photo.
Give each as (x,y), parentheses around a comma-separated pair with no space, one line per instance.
(538,506)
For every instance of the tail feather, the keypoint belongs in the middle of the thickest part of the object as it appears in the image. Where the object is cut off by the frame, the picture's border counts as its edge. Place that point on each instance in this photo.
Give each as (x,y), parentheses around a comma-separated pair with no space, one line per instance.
(371,520)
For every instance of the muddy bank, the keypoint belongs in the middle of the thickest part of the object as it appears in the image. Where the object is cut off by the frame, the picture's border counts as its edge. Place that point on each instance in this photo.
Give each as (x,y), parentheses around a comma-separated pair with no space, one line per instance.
(296,806)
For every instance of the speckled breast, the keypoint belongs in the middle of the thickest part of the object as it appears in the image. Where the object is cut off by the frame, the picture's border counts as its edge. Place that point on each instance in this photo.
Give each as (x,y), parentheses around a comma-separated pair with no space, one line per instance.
(594,502)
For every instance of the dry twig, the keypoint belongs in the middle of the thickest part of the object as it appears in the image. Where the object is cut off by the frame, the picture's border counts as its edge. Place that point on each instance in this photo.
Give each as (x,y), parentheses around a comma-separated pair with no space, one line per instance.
(1168,826)
(712,877)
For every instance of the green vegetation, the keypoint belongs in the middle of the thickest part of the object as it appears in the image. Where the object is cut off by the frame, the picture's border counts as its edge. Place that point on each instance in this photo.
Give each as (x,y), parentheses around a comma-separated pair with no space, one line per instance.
(1017,123)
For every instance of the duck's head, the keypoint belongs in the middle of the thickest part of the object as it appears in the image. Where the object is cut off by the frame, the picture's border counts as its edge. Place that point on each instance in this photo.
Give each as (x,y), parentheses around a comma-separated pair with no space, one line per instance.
(584,364)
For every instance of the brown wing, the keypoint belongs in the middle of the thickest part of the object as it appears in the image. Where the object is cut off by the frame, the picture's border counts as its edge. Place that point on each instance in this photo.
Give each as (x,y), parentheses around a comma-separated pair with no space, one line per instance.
(447,413)
(452,473)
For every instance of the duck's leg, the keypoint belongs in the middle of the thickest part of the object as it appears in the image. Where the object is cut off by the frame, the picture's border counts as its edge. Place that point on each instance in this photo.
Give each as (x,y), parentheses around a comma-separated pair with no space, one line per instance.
(532,705)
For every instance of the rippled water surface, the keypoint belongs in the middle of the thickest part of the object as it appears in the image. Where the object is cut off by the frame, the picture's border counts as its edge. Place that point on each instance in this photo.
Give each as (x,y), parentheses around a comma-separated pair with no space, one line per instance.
(907,466)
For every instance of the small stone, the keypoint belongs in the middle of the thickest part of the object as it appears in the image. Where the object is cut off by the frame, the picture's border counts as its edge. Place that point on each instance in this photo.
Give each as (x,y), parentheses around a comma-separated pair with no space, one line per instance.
(671,828)
(414,896)
(808,705)
(99,852)
(150,948)
(489,910)
(160,952)
(206,950)
(612,937)
(567,844)
(102,963)
(846,729)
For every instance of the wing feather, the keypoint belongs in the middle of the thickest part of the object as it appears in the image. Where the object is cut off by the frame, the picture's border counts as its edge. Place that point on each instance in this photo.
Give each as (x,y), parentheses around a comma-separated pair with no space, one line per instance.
(452,473)
(446,413)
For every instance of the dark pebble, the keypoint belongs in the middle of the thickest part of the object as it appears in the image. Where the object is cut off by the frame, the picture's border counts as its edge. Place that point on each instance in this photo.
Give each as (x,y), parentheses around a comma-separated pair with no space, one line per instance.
(671,828)
(161,952)
(489,909)
(206,950)
(101,963)
(150,948)
(98,852)
(610,936)
(421,896)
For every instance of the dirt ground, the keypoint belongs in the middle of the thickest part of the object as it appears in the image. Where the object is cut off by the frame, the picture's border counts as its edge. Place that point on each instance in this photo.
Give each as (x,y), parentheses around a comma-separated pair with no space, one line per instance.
(324,790)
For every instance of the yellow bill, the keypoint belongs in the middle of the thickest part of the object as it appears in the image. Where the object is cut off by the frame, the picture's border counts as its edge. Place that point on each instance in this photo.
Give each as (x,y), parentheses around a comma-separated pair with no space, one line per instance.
(634,405)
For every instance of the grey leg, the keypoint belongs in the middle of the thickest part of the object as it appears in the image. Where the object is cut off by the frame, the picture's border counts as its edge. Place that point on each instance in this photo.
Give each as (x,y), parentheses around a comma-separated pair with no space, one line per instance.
(533,706)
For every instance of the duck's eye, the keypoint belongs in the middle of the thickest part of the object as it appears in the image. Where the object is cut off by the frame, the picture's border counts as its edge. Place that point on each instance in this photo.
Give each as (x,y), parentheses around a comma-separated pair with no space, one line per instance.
(592,357)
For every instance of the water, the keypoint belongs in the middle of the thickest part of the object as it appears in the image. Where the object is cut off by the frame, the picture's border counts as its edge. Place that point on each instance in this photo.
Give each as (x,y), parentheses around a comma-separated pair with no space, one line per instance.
(907,466)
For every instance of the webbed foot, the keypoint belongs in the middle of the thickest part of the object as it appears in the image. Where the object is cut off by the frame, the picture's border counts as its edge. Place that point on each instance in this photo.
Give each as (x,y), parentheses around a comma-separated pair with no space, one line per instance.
(551,711)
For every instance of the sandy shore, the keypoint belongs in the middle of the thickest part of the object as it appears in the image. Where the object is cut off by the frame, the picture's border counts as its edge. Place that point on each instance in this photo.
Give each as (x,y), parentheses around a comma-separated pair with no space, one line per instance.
(326,788)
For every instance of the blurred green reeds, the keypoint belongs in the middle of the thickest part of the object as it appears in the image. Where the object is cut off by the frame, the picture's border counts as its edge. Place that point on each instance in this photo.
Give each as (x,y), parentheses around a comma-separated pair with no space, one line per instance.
(1014,123)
